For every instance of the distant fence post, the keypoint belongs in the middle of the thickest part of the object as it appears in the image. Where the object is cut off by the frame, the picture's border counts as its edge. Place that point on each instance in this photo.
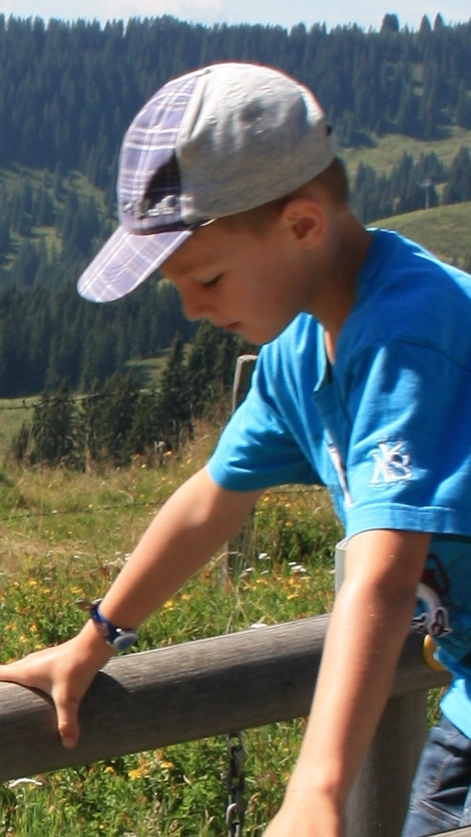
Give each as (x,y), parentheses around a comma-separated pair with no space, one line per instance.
(242,378)
(235,549)
(379,799)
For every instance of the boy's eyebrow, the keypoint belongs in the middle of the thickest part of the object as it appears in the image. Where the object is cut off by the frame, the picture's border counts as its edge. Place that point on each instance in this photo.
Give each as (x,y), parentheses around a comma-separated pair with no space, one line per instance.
(186,267)
(184,264)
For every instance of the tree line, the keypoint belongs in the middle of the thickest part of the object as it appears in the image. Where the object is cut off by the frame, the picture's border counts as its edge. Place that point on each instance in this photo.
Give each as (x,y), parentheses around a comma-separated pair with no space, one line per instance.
(69,90)
(411,185)
(121,419)
(67,94)
(46,335)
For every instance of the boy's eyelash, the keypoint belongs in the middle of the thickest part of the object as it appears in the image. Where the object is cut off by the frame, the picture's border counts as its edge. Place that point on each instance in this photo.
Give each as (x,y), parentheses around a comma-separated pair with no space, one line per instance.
(212,281)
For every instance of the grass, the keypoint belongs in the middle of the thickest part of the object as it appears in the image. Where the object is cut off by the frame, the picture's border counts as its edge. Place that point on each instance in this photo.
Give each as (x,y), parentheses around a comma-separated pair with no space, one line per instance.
(13,412)
(443,230)
(389,150)
(149,370)
(65,536)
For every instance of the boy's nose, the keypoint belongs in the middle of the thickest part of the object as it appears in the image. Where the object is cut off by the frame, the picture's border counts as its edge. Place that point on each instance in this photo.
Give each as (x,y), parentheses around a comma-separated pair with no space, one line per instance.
(194,306)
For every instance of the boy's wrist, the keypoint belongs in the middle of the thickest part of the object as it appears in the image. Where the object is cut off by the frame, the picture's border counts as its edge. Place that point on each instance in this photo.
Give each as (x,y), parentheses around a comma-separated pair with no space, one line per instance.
(308,782)
(310,804)
(120,639)
(93,647)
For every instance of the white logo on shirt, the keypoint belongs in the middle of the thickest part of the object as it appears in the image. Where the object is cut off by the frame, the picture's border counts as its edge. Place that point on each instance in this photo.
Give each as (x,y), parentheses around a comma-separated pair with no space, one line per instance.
(391,465)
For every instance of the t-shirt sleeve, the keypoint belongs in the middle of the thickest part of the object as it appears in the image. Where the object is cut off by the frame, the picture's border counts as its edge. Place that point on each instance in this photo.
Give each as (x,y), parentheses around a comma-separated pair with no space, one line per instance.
(408,458)
(257,448)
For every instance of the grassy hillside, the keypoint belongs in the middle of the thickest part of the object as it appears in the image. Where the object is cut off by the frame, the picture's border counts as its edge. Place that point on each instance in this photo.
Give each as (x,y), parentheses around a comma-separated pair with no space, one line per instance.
(390,148)
(13,181)
(443,230)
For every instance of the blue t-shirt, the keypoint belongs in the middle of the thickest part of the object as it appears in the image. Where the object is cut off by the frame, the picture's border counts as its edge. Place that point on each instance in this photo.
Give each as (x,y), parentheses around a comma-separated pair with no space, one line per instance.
(387,428)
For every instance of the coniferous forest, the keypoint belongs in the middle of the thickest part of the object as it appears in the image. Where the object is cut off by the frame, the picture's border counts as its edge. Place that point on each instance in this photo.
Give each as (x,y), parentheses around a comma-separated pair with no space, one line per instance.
(67,94)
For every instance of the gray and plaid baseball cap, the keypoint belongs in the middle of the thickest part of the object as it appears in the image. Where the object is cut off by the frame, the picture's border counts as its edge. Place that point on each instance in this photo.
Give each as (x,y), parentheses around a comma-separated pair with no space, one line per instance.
(214,142)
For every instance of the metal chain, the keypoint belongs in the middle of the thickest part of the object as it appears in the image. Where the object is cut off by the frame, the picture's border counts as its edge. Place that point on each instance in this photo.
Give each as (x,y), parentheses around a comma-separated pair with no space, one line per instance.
(235,780)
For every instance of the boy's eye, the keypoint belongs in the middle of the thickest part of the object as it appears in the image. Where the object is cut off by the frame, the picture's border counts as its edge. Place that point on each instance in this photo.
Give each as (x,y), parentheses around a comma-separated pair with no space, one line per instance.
(212,282)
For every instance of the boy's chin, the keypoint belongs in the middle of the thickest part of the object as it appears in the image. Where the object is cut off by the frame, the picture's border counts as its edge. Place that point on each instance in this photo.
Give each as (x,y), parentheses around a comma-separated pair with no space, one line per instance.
(259,337)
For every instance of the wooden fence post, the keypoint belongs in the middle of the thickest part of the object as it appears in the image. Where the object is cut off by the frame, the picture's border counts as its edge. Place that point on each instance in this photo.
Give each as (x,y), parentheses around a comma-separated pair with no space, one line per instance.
(379,799)
(242,378)
(234,551)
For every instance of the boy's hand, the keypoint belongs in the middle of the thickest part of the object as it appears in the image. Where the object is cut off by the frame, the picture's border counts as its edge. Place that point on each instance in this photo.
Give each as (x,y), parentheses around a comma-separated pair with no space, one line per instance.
(63,672)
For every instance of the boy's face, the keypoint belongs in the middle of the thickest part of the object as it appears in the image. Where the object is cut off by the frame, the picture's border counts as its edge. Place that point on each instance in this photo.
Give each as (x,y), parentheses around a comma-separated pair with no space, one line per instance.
(250,284)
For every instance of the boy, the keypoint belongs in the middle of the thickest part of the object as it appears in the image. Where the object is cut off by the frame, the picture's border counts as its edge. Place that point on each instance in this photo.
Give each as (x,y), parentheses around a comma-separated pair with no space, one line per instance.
(229,183)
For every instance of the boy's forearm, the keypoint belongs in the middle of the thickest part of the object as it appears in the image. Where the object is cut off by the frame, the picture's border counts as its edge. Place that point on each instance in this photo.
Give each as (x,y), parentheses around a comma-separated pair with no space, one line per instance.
(185,533)
(368,627)
(190,528)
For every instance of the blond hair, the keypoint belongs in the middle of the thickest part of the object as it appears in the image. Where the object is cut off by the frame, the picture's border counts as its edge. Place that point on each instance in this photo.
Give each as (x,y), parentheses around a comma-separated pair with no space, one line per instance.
(331,185)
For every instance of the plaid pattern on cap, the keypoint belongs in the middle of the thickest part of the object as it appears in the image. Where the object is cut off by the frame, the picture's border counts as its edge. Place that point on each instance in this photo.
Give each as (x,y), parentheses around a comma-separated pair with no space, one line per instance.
(149,191)
(212,143)
(125,262)
(149,187)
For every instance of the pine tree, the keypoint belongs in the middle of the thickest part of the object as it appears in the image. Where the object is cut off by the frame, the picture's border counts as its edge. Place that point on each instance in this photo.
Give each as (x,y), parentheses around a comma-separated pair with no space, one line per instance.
(203,389)
(458,187)
(108,416)
(146,434)
(463,112)
(174,402)
(425,26)
(56,432)
(5,237)
(390,24)
(43,209)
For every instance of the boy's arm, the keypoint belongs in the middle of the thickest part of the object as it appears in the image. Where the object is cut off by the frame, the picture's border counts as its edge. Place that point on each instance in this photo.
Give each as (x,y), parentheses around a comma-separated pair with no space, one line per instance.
(369,623)
(185,533)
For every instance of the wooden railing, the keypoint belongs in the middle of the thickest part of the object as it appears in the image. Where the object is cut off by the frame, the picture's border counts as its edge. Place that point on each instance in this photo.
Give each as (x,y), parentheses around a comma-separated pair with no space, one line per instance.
(207,687)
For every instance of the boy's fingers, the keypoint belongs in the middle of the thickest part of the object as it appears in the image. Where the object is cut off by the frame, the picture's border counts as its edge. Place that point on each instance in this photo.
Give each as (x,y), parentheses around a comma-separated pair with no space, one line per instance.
(67,724)
(67,700)
(26,673)
(20,672)
(5,673)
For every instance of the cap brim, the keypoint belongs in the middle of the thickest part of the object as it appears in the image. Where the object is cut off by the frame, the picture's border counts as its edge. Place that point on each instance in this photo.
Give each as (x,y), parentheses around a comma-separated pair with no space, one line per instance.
(125,261)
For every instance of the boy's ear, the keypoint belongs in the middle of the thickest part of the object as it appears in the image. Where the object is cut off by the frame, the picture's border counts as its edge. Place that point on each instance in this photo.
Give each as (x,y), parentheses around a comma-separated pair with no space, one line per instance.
(306,219)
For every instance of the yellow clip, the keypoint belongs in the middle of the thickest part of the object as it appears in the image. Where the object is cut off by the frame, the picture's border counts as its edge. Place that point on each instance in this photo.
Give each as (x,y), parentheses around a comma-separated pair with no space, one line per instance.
(429,649)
